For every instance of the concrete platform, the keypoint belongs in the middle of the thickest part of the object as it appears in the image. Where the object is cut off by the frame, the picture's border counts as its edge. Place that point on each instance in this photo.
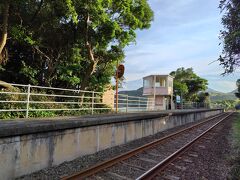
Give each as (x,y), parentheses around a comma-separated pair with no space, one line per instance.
(28,145)
(15,127)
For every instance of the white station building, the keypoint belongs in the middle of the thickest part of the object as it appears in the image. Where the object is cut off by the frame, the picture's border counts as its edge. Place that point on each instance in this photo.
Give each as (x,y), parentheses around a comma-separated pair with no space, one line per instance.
(159,88)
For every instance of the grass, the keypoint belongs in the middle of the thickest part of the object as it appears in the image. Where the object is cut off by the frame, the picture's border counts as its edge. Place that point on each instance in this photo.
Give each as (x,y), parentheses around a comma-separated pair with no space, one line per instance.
(236,130)
(235,170)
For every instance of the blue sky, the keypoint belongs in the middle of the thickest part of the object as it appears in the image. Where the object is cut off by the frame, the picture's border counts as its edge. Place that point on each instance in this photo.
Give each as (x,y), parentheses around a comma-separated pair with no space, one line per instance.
(184,33)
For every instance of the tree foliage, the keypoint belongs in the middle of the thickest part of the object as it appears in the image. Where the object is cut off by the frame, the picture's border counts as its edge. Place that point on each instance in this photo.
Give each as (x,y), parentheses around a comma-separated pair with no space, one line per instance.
(188,84)
(238,89)
(203,97)
(227,104)
(230,58)
(69,43)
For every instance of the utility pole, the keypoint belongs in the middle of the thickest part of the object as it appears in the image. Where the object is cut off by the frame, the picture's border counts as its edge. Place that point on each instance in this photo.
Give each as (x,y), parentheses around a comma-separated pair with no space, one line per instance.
(117,87)
(154,91)
(181,99)
(119,73)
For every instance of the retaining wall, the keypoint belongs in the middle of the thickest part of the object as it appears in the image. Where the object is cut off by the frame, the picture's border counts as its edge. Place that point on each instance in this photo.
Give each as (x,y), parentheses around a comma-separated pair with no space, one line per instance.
(27,146)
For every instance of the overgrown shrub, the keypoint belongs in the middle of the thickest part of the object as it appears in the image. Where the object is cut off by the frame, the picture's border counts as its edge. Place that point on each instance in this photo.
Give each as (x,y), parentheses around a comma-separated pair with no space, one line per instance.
(12,105)
(45,105)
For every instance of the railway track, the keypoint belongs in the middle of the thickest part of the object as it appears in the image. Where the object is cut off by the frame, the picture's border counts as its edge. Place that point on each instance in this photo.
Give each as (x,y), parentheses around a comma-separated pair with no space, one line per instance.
(158,170)
(143,162)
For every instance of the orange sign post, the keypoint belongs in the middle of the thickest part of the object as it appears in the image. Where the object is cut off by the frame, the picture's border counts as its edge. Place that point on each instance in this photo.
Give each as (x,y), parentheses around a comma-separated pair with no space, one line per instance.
(119,74)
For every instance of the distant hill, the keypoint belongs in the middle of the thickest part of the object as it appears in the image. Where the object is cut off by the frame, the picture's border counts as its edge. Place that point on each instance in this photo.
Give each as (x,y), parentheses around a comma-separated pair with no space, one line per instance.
(132,85)
(218,96)
(209,90)
(214,95)
(137,92)
(234,91)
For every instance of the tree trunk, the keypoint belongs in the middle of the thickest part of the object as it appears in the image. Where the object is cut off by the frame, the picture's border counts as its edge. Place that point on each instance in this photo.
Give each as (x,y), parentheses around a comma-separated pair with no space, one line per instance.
(91,68)
(89,71)
(5,26)
(93,62)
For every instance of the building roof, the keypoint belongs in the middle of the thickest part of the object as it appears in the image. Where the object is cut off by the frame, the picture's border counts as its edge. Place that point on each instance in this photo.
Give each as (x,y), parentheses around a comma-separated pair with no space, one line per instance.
(161,75)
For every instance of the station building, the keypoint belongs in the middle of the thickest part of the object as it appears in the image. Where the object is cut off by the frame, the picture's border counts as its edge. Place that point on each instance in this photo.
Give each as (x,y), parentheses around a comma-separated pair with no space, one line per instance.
(159,88)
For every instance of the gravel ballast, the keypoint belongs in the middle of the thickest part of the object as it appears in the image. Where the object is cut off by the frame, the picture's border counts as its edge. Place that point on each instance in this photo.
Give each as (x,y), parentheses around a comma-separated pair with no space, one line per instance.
(208,159)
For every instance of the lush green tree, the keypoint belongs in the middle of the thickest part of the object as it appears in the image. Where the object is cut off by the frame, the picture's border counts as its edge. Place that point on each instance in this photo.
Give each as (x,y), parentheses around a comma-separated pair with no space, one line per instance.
(37,42)
(203,97)
(227,104)
(188,84)
(230,58)
(238,89)
(107,27)
(69,43)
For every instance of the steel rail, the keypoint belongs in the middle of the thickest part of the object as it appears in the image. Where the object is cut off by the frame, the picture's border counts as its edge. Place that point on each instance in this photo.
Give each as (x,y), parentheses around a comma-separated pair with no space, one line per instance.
(106,164)
(156,170)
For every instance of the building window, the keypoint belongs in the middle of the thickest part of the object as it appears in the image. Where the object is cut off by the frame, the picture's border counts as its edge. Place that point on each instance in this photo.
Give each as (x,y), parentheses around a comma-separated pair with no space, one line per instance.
(157,84)
(160,82)
(146,83)
(170,83)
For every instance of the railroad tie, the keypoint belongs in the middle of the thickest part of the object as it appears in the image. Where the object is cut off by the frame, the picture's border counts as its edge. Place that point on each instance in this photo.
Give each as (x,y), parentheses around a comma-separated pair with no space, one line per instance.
(153,154)
(117,176)
(182,168)
(97,177)
(171,177)
(192,155)
(148,160)
(187,160)
(201,146)
(134,166)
